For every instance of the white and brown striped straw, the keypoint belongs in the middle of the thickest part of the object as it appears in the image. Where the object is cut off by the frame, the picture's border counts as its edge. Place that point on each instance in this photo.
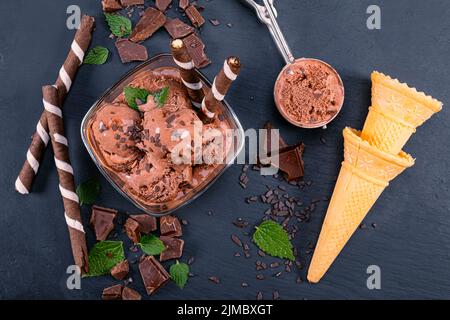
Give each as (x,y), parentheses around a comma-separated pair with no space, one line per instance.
(221,85)
(65,78)
(66,178)
(189,76)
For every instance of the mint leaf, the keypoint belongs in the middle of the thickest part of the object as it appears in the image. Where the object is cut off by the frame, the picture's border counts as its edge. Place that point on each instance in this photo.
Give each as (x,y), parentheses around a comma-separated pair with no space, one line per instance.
(120,26)
(273,240)
(104,256)
(161,96)
(151,245)
(97,55)
(133,94)
(179,273)
(88,191)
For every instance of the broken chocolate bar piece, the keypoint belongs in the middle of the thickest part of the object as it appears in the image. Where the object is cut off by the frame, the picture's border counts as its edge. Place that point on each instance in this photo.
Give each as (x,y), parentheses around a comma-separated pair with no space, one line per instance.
(128,3)
(196,49)
(177,28)
(174,248)
(102,220)
(147,223)
(291,162)
(170,226)
(112,293)
(120,270)
(130,294)
(162,5)
(153,274)
(132,228)
(195,16)
(149,23)
(130,51)
(183,4)
(111,5)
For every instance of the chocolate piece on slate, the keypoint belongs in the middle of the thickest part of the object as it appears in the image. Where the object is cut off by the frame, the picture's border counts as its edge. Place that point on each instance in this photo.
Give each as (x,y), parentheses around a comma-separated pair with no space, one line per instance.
(130,294)
(183,4)
(177,28)
(153,274)
(291,161)
(195,16)
(127,3)
(170,226)
(120,270)
(102,220)
(149,23)
(111,5)
(147,223)
(112,293)
(130,51)
(162,5)
(196,49)
(174,248)
(132,228)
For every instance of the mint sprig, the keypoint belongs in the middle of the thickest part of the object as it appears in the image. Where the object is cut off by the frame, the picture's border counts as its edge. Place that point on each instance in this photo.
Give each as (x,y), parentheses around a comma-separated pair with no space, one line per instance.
(133,94)
(88,191)
(151,245)
(271,238)
(179,272)
(104,256)
(119,25)
(161,96)
(97,55)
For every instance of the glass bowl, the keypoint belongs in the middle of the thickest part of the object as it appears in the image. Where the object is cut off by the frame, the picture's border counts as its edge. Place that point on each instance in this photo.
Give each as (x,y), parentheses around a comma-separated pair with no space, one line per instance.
(158,209)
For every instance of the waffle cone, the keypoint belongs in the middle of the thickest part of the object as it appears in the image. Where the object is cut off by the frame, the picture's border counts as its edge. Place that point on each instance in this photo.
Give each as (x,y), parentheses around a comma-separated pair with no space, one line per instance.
(365,173)
(397,110)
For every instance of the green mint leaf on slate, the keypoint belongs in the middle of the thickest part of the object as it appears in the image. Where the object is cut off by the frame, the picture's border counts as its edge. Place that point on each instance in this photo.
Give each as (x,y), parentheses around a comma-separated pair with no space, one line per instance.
(133,94)
(179,273)
(97,55)
(88,191)
(273,240)
(151,245)
(120,26)
(104,256)
(161,96)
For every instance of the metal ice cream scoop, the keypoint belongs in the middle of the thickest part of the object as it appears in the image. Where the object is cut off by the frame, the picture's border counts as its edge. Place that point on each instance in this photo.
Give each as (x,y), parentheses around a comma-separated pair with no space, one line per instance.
(268,14)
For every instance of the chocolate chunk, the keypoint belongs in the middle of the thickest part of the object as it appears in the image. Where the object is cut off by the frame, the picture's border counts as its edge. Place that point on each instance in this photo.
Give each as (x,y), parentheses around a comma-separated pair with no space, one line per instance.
(128,3)
(130,51)
(149,23)
(153,274)
(120,270)
(162,5)
(130,294)
(147,223)
(112,293)
(214,22)
(170,226)
(132,228)
(196,49)
(183,4)
(291,161)
(174,248)
(195,16)
(177,28)
(111,5)
(102,220)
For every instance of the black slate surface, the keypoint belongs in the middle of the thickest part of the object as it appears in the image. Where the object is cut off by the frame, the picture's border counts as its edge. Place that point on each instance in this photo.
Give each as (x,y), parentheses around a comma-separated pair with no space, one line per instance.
(411,243)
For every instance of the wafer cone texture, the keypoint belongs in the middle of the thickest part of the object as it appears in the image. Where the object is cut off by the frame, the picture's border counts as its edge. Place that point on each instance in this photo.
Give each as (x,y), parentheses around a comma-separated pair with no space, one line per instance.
(365,173)
(397,110)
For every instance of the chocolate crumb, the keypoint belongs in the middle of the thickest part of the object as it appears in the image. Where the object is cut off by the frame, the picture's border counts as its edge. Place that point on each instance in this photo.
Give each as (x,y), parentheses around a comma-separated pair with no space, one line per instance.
(214,279)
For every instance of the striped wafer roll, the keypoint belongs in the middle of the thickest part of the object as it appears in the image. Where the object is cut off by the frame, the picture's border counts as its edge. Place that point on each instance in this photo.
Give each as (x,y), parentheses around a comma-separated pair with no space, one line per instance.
(188,75)
(65,78)
(221,85)
(66,179)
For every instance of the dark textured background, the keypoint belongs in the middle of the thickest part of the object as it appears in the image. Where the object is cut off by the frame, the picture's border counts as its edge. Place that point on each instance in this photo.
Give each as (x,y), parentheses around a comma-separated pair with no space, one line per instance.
(411,243)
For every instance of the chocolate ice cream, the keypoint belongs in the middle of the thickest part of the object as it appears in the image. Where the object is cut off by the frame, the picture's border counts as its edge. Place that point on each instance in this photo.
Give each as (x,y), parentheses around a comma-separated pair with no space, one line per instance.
(309,93)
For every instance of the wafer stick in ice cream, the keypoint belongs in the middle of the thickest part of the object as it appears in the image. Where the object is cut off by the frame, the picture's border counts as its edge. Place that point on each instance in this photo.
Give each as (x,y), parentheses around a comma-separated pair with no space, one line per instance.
(66,178)
(66,76)
(188,74)
(221,85)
